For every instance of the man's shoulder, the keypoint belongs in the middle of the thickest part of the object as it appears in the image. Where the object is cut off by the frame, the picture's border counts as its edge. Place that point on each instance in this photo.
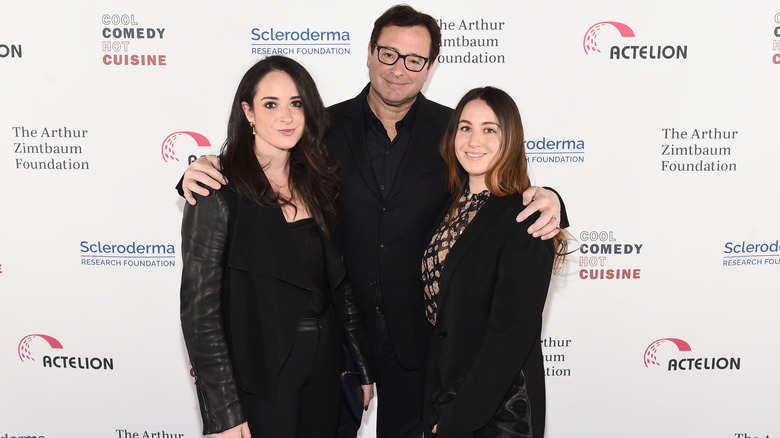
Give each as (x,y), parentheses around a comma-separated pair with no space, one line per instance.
(435,109)
(350,108)
(436,106)
(343,104)
(350,105)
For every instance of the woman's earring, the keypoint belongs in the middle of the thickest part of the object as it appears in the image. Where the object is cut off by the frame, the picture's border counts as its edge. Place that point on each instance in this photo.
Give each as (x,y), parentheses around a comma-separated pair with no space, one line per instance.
(253,128)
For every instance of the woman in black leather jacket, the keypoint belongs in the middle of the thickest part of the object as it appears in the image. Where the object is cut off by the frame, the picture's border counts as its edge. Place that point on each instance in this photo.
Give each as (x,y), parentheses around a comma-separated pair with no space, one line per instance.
(265,304)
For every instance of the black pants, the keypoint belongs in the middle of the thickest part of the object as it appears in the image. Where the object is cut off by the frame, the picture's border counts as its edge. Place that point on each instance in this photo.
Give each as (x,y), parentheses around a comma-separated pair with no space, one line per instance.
(399,393)
(309,396)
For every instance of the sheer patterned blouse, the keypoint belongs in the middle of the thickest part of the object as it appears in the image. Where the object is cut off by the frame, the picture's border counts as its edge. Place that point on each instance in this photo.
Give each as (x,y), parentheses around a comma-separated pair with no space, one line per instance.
(443,239)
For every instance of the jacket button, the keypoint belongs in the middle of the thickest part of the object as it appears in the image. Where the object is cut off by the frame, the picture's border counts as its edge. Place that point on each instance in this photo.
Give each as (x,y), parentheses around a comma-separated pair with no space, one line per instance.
(382,246)
(385,210)
(442,334)
(372,283)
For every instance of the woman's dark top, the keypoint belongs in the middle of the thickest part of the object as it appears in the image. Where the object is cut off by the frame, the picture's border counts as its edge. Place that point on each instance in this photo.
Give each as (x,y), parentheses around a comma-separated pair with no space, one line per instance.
(307,241)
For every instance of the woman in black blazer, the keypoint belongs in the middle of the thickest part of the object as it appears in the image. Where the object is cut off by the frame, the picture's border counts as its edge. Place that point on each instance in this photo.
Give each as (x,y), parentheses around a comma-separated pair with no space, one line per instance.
(265,305)
(485,280)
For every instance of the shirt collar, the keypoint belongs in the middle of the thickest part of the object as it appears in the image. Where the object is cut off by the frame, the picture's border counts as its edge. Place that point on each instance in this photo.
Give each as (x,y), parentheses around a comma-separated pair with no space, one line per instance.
(370,119)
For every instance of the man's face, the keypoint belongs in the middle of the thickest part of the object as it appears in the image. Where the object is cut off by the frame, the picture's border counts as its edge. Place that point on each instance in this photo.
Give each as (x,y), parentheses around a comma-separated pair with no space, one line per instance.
(393,84)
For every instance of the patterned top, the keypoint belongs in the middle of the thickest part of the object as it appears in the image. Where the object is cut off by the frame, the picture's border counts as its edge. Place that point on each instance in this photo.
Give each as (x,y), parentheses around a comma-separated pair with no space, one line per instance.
(442,241)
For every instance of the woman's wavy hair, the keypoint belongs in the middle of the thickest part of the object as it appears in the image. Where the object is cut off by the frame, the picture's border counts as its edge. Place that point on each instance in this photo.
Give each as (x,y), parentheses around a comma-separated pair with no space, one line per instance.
(508,175)
(313,172)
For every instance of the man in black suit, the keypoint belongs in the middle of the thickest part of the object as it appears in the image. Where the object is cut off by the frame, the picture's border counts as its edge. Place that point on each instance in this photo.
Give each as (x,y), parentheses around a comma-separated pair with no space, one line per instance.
(394,184)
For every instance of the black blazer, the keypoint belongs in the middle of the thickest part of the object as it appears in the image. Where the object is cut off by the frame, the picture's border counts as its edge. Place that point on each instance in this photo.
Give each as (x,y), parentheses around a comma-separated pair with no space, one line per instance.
(490,302)
(384,238)
(243,293)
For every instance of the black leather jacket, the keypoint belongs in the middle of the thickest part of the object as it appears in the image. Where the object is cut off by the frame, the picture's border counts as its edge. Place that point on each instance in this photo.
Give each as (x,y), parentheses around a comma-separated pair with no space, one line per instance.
(207,237)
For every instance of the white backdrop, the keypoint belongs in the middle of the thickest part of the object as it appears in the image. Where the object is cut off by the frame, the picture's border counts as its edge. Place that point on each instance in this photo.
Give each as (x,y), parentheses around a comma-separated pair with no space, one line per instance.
(657,124)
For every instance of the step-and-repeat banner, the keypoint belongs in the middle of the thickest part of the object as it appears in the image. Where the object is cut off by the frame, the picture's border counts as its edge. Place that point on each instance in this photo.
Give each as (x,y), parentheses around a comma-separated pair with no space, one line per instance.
(657,123)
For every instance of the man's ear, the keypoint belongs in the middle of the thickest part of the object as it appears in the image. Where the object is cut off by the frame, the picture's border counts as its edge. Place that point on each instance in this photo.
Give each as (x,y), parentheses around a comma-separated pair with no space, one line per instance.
(368,58)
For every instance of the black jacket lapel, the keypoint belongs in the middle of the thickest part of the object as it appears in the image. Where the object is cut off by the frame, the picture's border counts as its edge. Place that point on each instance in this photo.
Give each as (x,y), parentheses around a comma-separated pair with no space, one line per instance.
(473,232)
(251,251)
(354,132)
(420,141)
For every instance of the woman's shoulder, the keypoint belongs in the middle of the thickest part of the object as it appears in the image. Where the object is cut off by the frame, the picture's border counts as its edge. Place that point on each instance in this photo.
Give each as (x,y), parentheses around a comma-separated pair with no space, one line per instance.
(218,201)
(513,234)
(510,206)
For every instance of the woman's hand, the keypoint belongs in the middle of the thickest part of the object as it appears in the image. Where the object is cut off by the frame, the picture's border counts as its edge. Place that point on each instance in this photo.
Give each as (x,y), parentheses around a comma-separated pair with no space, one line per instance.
(368,394)
(240,431)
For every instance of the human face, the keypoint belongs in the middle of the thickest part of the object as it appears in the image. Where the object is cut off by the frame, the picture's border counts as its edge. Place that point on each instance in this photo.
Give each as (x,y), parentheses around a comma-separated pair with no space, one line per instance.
(277,113)
(394,85)
(477,142)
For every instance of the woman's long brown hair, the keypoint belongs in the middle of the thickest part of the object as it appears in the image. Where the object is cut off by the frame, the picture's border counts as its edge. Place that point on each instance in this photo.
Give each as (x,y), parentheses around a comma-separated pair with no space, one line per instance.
(509,173)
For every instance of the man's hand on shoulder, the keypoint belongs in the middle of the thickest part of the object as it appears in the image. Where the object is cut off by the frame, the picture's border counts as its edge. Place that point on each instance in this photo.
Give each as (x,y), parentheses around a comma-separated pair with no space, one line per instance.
(204,170)
(546,202)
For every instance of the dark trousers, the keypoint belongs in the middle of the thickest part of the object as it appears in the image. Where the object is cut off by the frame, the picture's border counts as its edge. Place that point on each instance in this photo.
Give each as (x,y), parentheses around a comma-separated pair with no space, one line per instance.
(399,393)
(309,396)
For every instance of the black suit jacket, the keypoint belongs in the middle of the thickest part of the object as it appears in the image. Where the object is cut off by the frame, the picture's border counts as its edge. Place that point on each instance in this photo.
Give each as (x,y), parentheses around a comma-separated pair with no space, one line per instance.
(243,293)
(384,238)
(490,302)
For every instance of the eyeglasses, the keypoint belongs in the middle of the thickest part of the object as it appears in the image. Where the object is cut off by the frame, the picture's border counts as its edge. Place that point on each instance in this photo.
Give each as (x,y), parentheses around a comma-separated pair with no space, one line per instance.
(390,56)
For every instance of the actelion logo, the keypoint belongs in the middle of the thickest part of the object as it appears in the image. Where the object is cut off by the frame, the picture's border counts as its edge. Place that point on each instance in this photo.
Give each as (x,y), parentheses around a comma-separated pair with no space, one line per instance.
(10,51)
(590,43)
(651,352)
(24,345)
(172,142)
(678,363)
(60,361)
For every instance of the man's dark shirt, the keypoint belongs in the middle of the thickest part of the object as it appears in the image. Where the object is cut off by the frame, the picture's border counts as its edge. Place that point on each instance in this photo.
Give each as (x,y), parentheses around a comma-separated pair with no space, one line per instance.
(386,155)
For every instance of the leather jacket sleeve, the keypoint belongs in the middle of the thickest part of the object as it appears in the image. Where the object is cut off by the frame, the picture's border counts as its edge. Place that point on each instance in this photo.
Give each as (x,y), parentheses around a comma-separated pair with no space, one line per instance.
(355,336)
(204,235)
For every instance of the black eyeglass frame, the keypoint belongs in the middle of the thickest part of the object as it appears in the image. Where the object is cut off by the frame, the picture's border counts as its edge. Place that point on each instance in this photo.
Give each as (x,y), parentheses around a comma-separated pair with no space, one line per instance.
(400,56)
